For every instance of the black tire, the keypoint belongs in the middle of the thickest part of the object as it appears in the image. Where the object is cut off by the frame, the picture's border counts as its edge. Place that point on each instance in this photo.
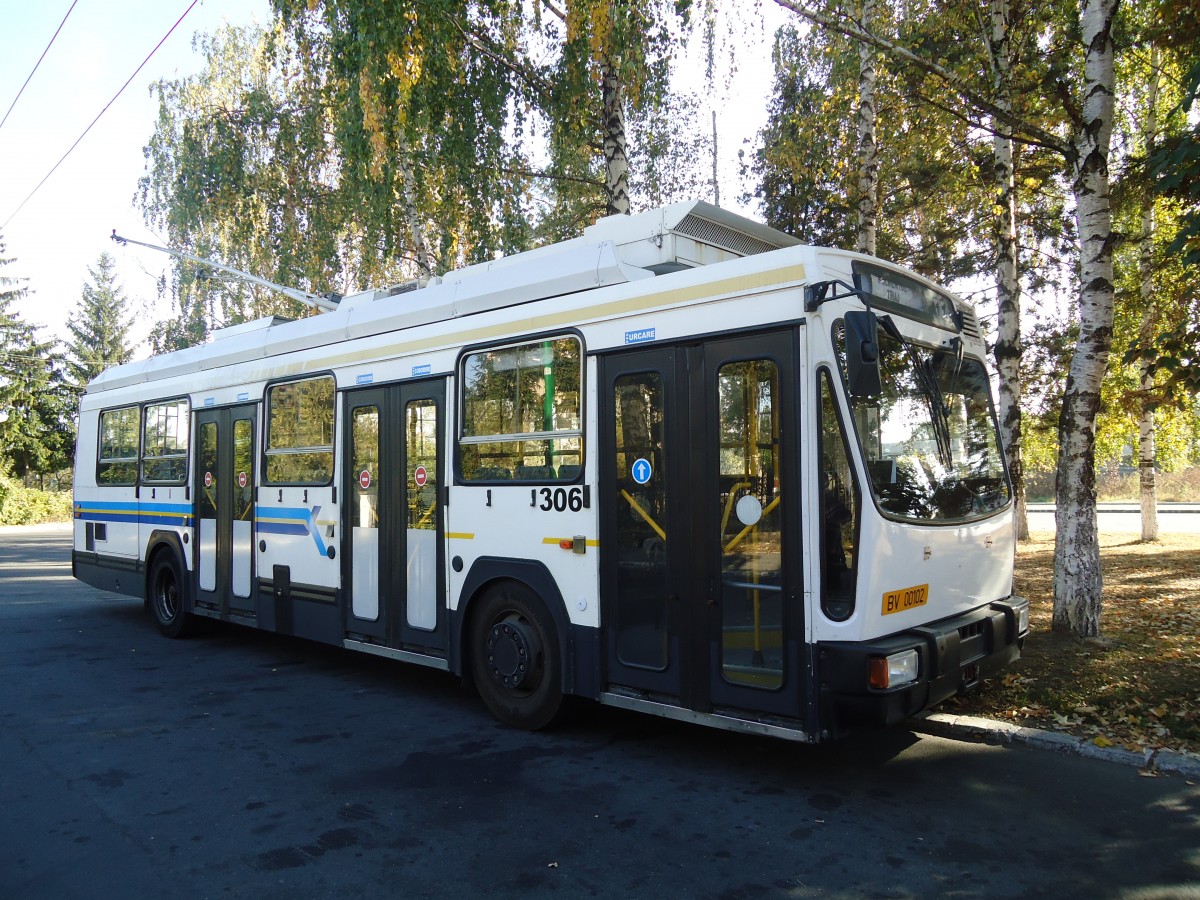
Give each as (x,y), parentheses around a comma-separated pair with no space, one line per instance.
(165,594)
(515,658)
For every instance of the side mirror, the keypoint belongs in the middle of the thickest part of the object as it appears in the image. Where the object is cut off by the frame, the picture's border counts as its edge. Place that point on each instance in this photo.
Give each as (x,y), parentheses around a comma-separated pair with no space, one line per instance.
(862,354)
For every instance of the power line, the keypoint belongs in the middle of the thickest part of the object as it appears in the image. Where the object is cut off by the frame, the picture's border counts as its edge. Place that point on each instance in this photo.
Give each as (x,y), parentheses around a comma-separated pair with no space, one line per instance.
(38,63)
(101,113)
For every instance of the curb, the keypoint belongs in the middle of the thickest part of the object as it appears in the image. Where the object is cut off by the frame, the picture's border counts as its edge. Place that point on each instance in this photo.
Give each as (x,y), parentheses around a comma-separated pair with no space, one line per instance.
(974,728)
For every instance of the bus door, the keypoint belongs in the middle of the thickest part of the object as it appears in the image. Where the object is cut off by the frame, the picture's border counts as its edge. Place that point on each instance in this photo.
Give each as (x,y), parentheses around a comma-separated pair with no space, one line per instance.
(224,486)
(393,569)
(700,551)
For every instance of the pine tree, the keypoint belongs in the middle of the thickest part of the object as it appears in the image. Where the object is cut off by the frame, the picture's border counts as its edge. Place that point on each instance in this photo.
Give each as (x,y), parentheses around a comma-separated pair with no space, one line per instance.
(36,402)
(100,326)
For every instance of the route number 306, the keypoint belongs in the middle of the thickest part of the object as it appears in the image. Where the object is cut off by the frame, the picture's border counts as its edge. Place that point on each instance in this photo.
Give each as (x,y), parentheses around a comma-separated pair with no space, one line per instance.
(559,499)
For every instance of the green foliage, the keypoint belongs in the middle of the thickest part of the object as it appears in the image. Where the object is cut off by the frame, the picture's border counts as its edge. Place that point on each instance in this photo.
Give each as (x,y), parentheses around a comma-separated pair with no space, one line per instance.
(100,325)
(806,162)
(1176,168)
(37,405)
(236,171)
(360,142)
(20,505)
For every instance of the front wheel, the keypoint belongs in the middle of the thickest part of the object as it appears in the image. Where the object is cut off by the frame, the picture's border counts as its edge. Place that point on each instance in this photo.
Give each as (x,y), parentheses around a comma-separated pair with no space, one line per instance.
(166,594)
(515,659)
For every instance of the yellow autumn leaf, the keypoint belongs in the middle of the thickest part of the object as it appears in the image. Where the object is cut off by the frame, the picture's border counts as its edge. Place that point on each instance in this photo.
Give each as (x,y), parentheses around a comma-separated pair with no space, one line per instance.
(1101,741)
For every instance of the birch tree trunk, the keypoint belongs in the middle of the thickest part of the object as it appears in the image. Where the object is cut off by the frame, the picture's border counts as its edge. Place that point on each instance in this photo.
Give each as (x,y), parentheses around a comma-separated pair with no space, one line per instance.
(1147,485)
(868,150)
(1077,575)
(1008,283)
(424,262)
(616,163)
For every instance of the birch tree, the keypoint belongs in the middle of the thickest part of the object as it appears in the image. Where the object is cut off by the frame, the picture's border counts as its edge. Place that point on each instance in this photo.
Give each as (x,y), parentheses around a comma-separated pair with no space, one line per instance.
(1089,109)
(1147,486)
(1008,283)
(867,201)
(807,161)
(1078,581)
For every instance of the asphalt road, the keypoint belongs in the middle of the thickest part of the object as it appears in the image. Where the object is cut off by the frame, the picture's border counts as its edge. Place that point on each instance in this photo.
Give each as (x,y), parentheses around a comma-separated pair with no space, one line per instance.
(240,764)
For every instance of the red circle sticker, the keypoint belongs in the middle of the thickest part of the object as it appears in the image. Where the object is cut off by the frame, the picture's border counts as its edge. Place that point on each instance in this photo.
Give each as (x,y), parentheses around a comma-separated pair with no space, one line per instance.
(242,479)
(208,479)
(420,476)
(364,479)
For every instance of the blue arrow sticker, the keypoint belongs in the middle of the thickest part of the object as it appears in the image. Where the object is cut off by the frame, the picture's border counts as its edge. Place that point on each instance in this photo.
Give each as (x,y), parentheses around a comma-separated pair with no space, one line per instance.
(642,470)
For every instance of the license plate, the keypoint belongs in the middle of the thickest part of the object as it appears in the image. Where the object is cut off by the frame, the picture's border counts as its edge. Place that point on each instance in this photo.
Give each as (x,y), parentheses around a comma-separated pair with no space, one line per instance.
(905,598)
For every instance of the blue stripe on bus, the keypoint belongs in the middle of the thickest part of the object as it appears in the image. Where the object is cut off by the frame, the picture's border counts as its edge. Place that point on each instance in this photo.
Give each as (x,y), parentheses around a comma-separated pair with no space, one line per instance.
(137,513)
(290,520)
(278,520)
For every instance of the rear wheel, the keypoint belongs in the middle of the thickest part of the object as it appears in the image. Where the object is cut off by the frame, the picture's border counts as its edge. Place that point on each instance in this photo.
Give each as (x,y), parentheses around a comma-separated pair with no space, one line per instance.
(166,596)
(515,659)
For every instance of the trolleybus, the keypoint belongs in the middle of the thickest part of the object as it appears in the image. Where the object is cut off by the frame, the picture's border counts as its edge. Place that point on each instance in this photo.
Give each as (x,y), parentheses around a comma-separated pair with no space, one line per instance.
(683,464)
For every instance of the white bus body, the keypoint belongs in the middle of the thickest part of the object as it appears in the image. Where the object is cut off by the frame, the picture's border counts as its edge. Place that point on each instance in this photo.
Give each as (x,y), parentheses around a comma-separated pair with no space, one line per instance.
(628,467)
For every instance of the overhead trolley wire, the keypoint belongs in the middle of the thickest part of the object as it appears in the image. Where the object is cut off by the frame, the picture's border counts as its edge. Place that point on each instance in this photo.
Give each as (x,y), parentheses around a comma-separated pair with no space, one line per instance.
(101,113)
(38,63)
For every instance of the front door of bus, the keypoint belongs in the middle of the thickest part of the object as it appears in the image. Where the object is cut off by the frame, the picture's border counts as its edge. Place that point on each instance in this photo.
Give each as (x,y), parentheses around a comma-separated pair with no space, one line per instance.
(393,570)
(700,542)
(225,508)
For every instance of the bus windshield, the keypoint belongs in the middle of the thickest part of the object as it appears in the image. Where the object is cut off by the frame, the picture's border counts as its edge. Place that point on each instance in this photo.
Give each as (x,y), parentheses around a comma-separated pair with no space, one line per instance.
(929,438)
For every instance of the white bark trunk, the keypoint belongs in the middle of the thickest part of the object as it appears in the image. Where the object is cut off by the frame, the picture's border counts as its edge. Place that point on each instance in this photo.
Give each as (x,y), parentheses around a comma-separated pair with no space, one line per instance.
(868,149)
(411,212)
(1008,283)
(1147,484)
(1078,581)
(616,163)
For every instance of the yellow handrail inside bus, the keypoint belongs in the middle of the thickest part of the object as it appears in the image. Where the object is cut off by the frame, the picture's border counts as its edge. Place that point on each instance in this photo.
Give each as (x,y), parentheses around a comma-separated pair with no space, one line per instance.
(729,503)
(741,535)
(645,515)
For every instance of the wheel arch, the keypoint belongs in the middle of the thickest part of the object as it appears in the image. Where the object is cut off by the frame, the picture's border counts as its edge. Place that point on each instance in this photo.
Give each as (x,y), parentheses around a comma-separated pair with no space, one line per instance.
(489,570)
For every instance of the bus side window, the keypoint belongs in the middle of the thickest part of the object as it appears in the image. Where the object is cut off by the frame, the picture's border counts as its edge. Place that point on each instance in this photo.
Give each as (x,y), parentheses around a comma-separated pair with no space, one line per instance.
(165,442)
(522,412)
(840,507)
(300,431)
(117,463)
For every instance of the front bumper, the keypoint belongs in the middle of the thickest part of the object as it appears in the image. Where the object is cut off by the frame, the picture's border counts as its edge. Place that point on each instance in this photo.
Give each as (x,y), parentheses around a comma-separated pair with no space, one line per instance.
(954,655)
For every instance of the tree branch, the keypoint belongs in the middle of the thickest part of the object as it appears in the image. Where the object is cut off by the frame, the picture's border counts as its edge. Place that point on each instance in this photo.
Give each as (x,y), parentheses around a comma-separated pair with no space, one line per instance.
(1024,131)
(524,173)
(554,9)
(519,68)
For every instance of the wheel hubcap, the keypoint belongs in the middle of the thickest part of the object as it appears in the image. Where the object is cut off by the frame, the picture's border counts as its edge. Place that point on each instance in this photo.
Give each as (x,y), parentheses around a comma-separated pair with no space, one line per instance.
(167,597)
(513,651)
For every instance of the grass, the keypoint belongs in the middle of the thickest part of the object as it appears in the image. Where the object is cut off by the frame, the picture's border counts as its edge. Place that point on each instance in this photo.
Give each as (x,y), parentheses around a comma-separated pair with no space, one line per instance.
(1138,686)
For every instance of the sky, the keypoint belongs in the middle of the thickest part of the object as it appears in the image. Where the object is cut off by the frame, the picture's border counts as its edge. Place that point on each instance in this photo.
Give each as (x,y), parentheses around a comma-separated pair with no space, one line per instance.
(61,231)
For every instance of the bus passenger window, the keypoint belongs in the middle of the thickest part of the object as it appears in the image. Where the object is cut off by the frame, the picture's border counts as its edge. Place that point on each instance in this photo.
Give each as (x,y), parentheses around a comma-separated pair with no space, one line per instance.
(522,412)
(118,447)
(300,431)
(165,442)
(840,506)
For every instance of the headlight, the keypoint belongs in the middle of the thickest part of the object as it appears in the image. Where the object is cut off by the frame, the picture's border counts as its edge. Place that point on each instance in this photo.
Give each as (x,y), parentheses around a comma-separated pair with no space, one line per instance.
(1023,619)
(893,671)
